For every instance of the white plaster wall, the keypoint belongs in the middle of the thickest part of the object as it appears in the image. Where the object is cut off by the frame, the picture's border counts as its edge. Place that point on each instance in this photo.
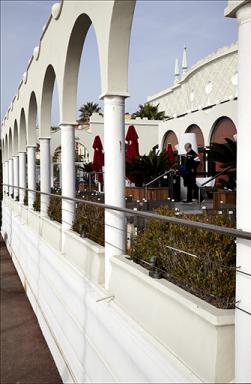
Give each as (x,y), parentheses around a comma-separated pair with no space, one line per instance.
(147,130)
(199,334)
(90,341)
(192,92)
(205,119)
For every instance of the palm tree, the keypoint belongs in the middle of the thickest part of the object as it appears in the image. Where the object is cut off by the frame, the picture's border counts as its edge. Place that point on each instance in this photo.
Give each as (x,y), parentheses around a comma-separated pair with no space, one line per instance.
(87,110)
(150,111)
(146,168)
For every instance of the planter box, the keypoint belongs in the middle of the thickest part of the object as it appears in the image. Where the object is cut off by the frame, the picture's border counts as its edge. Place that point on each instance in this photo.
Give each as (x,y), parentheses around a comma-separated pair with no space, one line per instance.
(24,213)
(225,196)
(34,220)
(51,233)
(200,335)
(87,255)
(138,193)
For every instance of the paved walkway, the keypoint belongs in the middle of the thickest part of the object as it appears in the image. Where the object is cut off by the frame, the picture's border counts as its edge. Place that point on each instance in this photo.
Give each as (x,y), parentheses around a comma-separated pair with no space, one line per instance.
(25,357)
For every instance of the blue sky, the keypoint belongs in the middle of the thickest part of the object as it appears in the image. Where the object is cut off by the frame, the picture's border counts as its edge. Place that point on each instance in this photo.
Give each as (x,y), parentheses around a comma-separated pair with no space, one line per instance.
(160,31)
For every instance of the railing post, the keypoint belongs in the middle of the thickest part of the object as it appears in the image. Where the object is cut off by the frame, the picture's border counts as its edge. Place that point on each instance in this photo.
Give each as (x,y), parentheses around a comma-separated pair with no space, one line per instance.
(114,145)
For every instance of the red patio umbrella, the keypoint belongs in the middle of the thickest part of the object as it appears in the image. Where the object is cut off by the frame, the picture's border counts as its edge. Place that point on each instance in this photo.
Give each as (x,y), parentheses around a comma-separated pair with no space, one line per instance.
(98,158)
(132,146)
(169,151)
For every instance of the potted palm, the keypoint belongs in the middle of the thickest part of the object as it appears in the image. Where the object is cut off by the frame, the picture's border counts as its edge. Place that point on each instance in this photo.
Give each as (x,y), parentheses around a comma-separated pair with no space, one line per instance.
(144,169)
(225,154)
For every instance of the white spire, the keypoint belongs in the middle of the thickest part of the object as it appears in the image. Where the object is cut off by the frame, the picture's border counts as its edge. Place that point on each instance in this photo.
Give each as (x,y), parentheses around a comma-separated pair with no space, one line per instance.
(184,62)
(176,71)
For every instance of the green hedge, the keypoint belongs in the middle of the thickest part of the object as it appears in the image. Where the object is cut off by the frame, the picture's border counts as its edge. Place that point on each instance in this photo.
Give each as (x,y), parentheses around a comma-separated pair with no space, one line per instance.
(210,274)
(55,209)
(89,222)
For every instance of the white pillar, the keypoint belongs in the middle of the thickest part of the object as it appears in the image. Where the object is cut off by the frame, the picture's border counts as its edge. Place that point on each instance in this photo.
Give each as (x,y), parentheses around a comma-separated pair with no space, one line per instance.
(243,282)
(6,175)
(10,176)
(52,174)
(31,163)
(16,175)
(114,147)
(22,176)
(45,168)
(68,173)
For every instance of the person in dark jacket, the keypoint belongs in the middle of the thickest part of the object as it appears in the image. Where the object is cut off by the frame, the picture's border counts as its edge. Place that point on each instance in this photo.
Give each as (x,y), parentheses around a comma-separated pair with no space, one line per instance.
(191,164)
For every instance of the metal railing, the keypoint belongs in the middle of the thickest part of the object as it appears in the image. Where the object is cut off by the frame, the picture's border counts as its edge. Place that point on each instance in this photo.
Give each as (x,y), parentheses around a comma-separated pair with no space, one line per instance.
(211,179)
(181,255)
(156,178)
(238,233)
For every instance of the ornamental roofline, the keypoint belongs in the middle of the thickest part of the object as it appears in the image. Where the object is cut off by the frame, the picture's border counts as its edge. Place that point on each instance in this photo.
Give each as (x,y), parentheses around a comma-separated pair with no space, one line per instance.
(224,51)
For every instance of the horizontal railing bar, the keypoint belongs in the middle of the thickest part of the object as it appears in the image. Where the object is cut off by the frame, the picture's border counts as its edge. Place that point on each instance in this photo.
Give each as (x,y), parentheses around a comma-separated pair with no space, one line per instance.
(215,176)
(175,220)
(159,177)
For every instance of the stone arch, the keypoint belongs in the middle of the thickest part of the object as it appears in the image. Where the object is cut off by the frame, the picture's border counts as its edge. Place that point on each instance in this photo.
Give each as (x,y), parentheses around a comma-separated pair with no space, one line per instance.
(222,127)
(73,57)
(46,102)
(118,49)
(194,128)
(170,137)
(15,139)
(113,40)
(22,132)
(32,118)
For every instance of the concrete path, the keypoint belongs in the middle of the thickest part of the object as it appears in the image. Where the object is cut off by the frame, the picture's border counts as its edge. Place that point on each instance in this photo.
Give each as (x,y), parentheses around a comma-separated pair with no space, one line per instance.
(25,357)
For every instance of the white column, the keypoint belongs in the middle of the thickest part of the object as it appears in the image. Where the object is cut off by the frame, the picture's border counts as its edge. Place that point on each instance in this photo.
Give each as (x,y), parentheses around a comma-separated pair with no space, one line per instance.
(68,173)
(243,282)
(52,174)
(10,176)
(31,163)
(45,168)
(16,175)
(114,147)
(6,175)
(22,176)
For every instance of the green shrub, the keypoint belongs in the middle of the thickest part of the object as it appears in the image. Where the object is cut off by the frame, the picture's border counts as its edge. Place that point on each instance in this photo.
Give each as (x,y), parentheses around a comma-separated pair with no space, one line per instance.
(55,209)
(208,272)
(36,204)
(26,198)
(89,222)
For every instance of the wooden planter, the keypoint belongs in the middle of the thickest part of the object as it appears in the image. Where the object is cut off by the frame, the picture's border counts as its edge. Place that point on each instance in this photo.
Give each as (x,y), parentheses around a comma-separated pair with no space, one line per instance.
(138,193)
(227,197)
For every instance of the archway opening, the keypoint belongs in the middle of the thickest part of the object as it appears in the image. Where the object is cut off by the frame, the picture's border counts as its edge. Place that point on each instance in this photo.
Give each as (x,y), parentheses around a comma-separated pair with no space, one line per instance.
(50,117)
(194,128)
(170,138)
(223,128)
(82,72)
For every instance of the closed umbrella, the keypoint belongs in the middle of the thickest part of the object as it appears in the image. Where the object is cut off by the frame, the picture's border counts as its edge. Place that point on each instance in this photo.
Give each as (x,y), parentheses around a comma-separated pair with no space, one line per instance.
(98,158)
(132,146)
(169,151)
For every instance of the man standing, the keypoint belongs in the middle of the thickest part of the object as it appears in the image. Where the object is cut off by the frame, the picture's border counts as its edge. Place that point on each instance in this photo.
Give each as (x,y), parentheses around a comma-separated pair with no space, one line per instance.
(191,164)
